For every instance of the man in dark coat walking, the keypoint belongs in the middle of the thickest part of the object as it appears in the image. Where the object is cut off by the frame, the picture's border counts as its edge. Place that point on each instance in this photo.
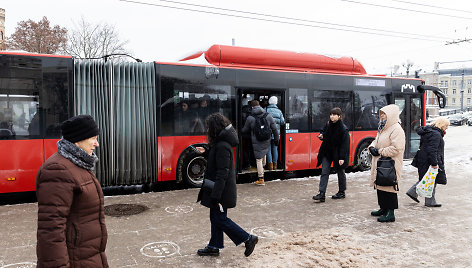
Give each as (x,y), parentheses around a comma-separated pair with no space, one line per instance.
(334,149)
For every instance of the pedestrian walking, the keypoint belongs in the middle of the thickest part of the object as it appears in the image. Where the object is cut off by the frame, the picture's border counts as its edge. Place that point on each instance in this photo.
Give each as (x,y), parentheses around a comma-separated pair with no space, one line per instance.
(390,142)
(334,149)
(430,153)
(220,170)
(276,113)
(261,125)
(71,220)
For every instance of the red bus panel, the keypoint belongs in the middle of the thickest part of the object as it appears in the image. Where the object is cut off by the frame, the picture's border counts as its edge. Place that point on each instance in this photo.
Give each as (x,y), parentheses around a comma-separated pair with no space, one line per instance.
(297,151)
(170,151)
(20,161)
(315,148)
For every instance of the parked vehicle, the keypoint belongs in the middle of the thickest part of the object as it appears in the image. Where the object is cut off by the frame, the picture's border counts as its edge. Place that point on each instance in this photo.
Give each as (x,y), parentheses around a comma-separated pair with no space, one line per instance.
(457,119)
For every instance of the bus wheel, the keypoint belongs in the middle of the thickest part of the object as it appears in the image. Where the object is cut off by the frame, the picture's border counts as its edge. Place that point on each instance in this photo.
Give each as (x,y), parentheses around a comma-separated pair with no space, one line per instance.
(193,170)
(364,158)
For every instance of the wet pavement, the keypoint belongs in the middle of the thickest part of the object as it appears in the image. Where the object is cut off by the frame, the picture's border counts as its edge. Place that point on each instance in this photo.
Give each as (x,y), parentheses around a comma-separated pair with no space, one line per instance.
(174,226)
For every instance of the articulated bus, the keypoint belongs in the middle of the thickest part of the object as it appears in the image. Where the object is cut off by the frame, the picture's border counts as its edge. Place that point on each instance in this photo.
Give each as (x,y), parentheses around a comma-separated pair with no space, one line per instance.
(151,115)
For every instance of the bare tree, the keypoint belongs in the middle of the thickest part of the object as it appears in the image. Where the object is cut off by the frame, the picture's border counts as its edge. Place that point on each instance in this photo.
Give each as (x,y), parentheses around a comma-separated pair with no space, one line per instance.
(38,37)
(88,40)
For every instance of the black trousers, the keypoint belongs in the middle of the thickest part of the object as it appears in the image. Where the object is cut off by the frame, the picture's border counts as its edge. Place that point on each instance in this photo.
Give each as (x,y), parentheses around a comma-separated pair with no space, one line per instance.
(387,200)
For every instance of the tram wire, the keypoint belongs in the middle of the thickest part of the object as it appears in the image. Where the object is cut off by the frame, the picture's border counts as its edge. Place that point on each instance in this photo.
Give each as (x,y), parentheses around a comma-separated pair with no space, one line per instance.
(372,31)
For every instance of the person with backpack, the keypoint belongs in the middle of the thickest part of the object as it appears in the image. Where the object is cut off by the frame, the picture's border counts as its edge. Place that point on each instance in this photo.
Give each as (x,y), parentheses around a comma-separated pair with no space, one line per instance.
(334,149)
(272,154)
(262,126)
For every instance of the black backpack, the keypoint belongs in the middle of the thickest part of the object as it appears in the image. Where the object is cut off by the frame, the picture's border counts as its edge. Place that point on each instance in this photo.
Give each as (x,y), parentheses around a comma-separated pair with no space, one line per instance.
(262,128)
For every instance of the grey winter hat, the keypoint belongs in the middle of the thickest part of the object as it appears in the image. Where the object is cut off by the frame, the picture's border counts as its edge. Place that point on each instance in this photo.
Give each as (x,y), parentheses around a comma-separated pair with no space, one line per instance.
(78,128)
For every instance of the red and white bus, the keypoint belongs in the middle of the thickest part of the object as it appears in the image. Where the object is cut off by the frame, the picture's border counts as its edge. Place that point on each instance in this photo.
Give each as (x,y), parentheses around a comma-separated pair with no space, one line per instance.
(151,115)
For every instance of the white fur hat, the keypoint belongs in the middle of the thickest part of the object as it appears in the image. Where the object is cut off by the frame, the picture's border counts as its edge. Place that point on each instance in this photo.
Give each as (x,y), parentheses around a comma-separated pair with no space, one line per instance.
(273,100)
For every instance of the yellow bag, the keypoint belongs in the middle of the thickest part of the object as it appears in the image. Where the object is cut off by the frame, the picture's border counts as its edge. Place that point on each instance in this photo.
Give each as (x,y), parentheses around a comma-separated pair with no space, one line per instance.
(426,186)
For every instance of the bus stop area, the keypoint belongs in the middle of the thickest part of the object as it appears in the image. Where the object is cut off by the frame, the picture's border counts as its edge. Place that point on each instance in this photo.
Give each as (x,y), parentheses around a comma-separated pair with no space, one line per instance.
(293,230)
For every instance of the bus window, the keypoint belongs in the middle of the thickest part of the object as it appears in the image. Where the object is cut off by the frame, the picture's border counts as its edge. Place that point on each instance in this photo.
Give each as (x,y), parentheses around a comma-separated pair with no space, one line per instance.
(366,109)
(55,94)
(297,116)
(191,105)
(322,103)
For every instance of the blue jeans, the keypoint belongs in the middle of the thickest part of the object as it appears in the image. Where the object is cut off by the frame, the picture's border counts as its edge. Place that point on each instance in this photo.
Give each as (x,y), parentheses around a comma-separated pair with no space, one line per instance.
(220,224)
(273,153)
(325,170)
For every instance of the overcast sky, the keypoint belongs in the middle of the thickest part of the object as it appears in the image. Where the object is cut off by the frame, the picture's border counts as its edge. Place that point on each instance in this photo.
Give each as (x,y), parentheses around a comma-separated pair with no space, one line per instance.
(157,32)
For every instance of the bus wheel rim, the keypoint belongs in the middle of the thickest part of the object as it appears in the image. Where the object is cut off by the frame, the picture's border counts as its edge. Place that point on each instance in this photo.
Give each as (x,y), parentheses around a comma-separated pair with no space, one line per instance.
(196,169)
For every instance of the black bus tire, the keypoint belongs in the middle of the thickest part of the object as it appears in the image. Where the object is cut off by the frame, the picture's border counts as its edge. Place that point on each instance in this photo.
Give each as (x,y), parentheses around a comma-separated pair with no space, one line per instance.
(193,169)
(363,157)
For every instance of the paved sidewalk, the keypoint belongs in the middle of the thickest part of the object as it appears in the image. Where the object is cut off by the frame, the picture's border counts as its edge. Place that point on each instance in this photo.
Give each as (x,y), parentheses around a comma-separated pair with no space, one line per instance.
(174,227)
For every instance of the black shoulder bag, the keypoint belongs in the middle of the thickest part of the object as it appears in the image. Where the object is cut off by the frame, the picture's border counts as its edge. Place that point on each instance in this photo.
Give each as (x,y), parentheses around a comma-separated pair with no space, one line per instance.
(386,174)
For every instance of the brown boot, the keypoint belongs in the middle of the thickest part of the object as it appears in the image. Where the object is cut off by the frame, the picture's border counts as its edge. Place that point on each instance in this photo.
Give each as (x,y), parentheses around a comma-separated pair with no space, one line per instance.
(260,182)
(270,166)
(274,165)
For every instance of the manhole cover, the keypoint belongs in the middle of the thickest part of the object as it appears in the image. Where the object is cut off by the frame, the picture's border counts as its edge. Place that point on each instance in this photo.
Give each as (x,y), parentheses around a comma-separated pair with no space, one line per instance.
(118,210)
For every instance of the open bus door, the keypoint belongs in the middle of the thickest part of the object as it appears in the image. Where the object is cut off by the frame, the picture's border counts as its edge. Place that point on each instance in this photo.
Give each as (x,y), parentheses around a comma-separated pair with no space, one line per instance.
(245,155)
(412,117)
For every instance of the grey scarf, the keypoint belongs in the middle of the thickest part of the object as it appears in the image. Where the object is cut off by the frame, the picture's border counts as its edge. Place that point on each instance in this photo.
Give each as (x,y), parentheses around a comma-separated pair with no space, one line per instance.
(76,155)
(381,125)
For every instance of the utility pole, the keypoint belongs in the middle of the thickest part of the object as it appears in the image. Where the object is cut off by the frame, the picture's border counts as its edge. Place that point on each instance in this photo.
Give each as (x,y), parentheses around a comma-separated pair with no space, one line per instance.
(462,91)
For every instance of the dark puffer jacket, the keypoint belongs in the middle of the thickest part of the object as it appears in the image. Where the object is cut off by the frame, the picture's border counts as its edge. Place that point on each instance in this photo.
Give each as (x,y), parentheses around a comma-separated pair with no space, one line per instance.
(220,169)
(260,147)
(431,152)
(71,219)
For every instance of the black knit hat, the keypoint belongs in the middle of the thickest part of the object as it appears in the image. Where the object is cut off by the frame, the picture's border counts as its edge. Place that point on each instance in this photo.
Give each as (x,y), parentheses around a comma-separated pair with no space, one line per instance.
(78,128)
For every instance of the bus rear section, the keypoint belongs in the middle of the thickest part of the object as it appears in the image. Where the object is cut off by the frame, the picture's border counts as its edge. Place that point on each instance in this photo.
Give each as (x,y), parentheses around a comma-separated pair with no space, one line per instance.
(34,100)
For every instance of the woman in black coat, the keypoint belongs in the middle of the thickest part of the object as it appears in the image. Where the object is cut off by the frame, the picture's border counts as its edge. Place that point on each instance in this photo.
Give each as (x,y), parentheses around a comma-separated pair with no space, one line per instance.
(220,170)
(430,153)
(334,149)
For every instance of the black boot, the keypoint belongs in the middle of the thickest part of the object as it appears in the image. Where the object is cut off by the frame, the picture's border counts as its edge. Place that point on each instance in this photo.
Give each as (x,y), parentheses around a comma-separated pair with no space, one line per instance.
(250,244)
(208,251)
(389,217)
(339,195)
(379,212)
(319,197)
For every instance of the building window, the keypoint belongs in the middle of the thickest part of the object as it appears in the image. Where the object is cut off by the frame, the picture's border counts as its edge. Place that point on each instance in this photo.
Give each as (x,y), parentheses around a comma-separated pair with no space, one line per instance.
(469,90)
(446,83)
(441,84)
(453,91)
(468,101)
(469,82)
(453,100)
(445,91)
(454,82)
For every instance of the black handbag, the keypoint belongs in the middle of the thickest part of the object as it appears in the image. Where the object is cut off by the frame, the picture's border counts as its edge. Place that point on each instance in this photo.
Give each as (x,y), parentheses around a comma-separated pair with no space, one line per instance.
(208,184)
(415,159)
(386,174)
(441,177)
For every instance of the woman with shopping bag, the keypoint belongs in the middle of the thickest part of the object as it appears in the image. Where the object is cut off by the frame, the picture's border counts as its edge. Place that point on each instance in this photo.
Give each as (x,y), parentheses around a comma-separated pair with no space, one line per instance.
(430,154)
(390,142)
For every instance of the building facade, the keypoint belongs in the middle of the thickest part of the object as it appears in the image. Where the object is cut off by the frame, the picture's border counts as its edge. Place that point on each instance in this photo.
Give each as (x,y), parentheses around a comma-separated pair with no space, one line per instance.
(2,29)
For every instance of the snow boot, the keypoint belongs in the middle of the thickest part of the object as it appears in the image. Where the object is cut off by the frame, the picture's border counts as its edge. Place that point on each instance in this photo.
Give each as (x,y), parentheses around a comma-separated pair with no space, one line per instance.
(389,217)
(378,213)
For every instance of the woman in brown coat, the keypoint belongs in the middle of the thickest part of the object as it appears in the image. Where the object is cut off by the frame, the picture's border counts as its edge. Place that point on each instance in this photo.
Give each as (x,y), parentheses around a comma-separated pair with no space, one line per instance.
(390,142)
(71,219)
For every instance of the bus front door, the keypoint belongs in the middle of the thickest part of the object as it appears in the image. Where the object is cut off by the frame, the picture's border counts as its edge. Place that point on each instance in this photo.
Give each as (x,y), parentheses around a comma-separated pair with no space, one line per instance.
(411,117)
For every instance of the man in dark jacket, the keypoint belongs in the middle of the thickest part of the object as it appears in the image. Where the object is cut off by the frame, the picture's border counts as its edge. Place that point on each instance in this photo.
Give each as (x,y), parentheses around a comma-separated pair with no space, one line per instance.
(260,148)
(220,169)
(430,153)
(71,219)
(334,149)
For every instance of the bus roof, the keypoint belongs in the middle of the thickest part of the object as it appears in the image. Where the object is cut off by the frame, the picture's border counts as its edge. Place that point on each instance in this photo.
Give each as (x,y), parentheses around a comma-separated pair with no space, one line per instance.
(232,56)
(32,54)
